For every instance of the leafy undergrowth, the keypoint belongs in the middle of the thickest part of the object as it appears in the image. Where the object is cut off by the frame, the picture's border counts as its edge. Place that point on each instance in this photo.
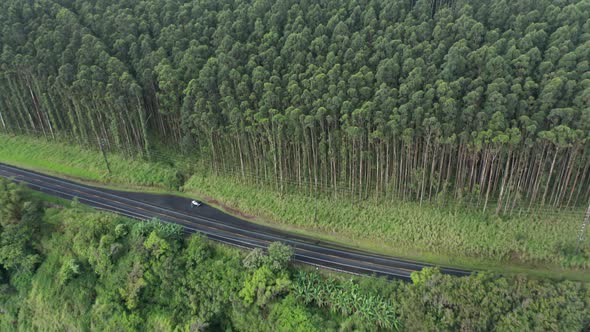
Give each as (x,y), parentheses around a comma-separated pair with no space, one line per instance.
(74,269)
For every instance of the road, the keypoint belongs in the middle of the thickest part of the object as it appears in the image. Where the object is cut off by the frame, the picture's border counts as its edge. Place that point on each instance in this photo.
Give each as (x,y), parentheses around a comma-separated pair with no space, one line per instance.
(219,226)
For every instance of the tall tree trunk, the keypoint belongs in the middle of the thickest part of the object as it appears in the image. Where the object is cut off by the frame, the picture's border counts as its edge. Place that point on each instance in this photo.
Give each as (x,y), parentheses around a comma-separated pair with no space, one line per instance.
(549,176)
(505,177)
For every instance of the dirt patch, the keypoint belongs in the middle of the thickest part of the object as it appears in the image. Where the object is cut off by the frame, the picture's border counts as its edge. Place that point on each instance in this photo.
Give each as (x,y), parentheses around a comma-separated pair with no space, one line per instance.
(237,212)
(212,201)
(229,209)
(515,256)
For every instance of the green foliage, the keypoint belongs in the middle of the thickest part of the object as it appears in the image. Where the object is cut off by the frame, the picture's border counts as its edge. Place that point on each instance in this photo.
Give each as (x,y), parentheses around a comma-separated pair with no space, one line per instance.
(92,275)
(20,219)
(69,269)
(255,259)
(279,256)
(268,278)
(121,231)
(164,230)
(198,250)
(131,291)
(289,315)
(15,249)
(436,302)
(420,278)
(432,127)
(264,285)
(156,245)
(346,299)
(388,98)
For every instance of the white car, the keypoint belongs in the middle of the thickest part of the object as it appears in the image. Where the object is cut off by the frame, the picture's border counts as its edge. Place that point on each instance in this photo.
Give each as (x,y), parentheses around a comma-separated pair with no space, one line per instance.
(195,203)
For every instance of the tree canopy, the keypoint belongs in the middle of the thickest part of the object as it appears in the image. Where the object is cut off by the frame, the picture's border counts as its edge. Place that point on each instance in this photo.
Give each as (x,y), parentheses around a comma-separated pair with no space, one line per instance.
(487,100)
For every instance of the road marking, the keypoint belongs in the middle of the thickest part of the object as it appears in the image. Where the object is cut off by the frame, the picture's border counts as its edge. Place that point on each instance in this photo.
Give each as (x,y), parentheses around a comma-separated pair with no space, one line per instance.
(56,183)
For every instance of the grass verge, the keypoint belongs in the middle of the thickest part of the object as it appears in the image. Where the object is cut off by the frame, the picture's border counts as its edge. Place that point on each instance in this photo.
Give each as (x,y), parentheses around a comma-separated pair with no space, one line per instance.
(78,163)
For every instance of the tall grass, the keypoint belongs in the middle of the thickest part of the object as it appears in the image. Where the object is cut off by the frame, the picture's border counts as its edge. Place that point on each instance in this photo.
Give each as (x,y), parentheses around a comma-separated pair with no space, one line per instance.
(411,228)
(85,164)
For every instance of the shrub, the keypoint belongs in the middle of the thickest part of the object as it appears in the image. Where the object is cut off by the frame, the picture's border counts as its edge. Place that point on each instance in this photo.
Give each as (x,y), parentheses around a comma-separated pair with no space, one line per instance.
(69,270)
(279,256)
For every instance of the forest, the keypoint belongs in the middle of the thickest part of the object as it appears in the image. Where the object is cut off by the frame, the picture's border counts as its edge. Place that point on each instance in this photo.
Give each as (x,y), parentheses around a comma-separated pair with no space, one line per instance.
(66,267)
(485,102)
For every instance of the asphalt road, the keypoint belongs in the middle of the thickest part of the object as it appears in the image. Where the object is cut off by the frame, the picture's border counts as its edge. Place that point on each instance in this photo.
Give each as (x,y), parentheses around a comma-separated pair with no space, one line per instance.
(219,226)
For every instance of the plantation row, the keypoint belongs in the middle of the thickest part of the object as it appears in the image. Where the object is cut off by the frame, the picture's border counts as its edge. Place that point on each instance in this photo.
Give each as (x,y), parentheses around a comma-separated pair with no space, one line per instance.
(410,100)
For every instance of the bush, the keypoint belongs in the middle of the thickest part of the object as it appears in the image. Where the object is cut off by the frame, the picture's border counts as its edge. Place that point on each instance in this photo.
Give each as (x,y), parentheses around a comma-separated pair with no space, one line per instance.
(121,230)
(255,259)
(69,270)
(279,256)
(491,302)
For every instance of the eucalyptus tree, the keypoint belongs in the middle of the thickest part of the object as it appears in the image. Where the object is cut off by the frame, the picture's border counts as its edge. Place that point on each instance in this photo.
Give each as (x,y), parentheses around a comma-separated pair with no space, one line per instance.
(404,100)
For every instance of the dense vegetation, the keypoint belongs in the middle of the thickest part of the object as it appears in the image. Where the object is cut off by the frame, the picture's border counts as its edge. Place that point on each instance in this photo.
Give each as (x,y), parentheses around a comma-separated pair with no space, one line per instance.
(483,101)
(70,268)
(88,270)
